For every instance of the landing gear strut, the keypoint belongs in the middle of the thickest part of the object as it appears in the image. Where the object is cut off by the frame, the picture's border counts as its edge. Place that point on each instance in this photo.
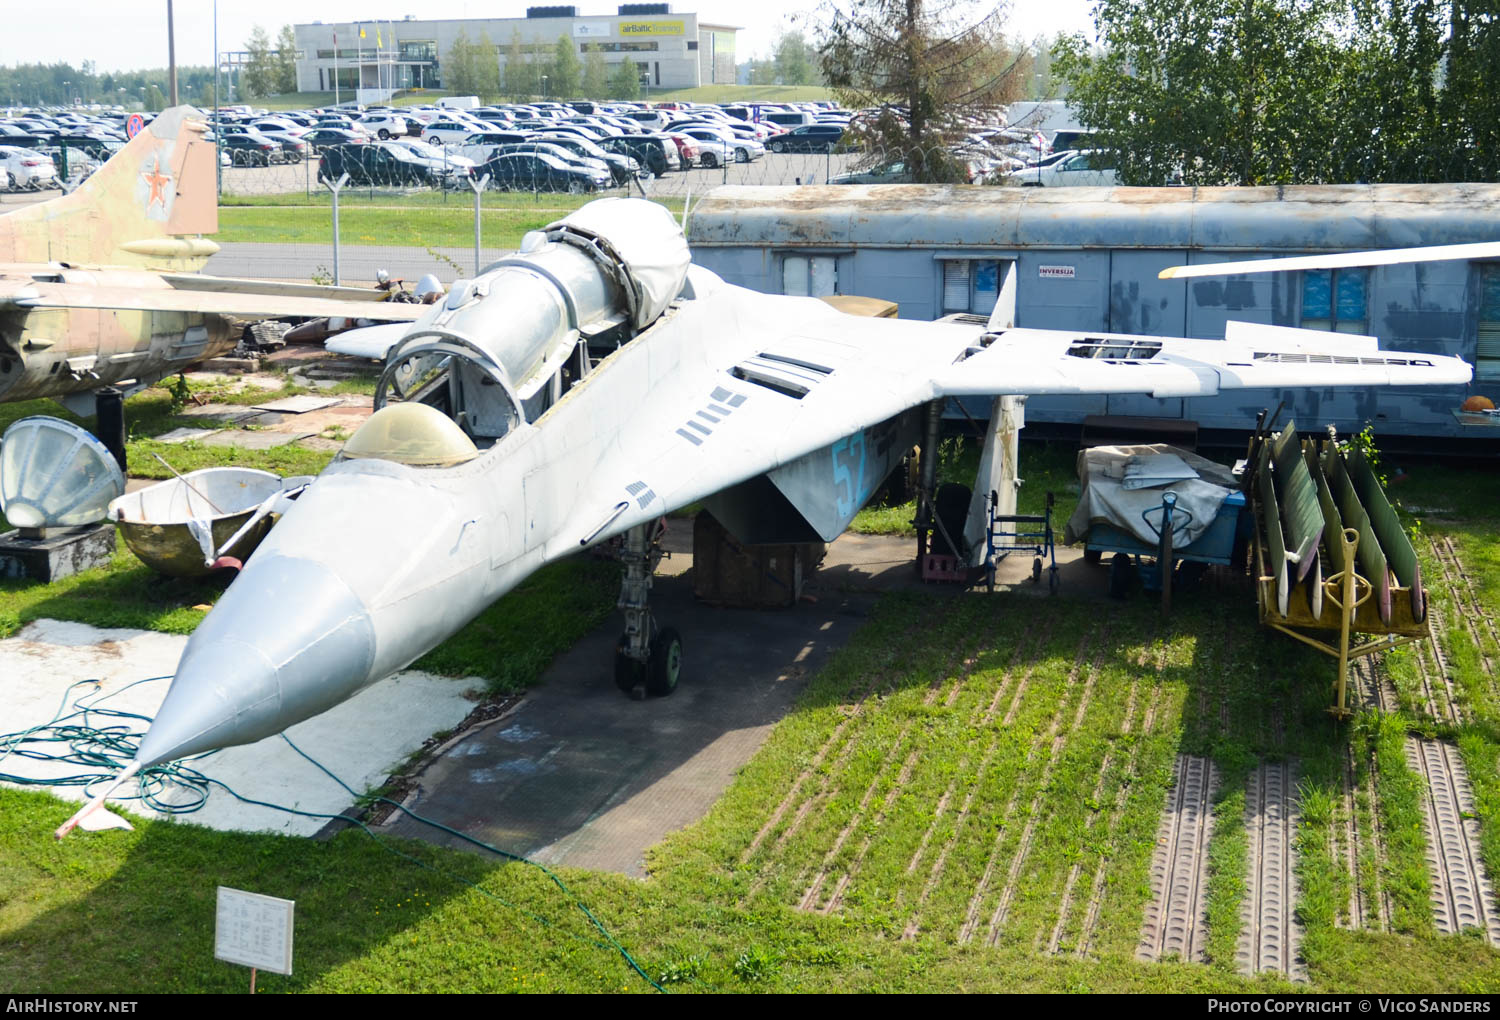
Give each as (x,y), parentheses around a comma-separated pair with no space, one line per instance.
(648,658)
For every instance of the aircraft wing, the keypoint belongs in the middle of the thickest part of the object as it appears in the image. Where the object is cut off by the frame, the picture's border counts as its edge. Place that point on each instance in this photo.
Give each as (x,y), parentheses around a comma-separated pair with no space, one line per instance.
(1339,260)
(770,387)
(234,302)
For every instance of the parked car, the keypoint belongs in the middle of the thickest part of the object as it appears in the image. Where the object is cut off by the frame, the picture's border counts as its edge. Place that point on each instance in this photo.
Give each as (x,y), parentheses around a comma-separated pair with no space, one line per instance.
(320,139)
(480,145)
(447,130)
(719,145)
(534,171)
(621,168)
(385,125)
(373,164)
(886,173)
(26,169)
(808,138)
(252,149)
(1088,169)
(450,169)
(656,154)
(559,152)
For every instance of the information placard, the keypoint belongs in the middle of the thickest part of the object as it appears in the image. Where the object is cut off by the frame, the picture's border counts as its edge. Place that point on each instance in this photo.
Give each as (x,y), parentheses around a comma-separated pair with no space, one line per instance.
(254,930)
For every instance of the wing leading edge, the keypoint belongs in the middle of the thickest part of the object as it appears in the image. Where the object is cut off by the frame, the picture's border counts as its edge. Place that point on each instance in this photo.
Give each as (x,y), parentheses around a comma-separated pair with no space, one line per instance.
(236,303)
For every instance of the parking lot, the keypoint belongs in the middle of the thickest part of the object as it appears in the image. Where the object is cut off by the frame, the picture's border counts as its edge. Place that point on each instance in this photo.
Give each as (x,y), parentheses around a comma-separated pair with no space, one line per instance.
(773,168)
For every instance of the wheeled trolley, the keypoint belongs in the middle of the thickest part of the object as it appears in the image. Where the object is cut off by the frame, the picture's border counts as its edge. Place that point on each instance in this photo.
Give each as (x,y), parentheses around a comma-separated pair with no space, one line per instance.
(1030,533)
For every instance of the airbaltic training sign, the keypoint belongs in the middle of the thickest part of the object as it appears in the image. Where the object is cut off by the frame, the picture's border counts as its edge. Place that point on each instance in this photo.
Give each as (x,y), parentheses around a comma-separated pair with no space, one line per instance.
(651,28)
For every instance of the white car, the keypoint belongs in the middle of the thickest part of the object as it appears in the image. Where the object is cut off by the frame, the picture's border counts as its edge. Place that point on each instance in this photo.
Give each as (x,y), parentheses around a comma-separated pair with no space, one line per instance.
(448,131)
(1084,169)
(26,169)
(384,125)
(481,144)
(445,156)
(717,146)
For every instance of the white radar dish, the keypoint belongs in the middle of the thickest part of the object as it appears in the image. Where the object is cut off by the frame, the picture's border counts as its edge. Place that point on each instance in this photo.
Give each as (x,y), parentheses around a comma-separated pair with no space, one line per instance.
(54,474)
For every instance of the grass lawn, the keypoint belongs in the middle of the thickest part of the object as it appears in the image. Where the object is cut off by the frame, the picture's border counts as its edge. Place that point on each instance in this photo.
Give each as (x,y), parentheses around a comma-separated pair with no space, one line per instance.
(424,220)
(966,798)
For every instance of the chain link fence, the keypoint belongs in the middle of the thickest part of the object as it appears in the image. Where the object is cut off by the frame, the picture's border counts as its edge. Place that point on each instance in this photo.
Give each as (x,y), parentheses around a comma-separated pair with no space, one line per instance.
(413,208)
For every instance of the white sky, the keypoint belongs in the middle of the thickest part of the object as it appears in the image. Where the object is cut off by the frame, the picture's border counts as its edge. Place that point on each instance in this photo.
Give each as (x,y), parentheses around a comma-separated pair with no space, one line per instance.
(131,34)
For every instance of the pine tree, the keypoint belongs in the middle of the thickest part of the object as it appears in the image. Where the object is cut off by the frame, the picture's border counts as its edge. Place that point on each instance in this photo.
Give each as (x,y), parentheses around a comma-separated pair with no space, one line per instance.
(926,71)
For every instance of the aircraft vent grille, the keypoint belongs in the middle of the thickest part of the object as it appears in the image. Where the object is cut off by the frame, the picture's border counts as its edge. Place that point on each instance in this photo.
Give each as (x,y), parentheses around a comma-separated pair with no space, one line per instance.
(1115,349)
(968,319)
(780,373)
(1291,358)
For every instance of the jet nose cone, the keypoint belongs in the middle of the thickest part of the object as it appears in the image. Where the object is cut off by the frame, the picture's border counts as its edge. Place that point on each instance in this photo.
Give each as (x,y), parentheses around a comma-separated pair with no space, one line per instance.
(288,640)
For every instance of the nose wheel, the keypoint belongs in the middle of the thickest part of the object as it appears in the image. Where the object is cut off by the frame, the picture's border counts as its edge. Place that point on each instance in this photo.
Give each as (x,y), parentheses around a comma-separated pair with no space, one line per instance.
(648,658)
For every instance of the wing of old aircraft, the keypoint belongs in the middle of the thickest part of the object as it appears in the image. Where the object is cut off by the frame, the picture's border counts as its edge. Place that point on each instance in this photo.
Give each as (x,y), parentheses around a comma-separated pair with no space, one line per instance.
(595,381)
(786,379)
(208,298)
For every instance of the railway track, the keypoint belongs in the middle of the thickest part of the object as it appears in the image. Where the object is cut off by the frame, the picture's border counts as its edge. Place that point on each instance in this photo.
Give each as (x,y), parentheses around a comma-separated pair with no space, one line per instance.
(1175,924)
(1462,896)
(1270,939)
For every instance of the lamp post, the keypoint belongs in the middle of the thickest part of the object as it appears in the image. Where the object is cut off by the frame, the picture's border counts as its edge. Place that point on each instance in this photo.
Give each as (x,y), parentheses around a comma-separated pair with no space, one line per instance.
(544,86)
(66,93)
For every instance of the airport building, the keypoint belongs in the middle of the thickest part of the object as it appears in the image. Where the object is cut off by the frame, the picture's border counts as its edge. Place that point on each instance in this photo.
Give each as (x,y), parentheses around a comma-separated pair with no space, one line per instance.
(673,51)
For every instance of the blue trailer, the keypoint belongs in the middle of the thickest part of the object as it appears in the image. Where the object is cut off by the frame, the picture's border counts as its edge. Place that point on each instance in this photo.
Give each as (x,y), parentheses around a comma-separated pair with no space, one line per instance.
(1223,544)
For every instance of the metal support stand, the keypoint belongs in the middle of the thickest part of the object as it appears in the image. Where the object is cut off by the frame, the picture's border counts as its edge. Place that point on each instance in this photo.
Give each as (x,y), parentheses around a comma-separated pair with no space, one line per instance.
(334,187)
(109,421)
(478,188)
(927,484)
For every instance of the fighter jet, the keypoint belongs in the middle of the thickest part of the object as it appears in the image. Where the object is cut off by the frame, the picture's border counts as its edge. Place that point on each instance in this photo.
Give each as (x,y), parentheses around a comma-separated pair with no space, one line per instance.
(594,381)
(98,288)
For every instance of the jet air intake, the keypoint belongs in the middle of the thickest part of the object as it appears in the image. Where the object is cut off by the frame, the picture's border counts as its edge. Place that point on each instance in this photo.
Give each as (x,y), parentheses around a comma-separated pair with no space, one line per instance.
(495,352)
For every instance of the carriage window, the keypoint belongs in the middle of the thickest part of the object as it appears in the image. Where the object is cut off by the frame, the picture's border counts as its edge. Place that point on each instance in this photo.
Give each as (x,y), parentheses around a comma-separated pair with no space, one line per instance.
(1336,299)
(970,285)
(1487,353)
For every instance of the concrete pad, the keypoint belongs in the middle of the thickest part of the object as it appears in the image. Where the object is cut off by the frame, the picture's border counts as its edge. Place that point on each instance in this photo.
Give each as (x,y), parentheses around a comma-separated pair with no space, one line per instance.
(299,405)
(248,439)
(184,435)
(359,741)
(218,412)
(580,775)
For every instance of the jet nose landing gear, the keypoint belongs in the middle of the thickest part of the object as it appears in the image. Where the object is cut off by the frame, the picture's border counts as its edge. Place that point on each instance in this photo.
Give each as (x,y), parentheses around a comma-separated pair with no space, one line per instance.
(648,658)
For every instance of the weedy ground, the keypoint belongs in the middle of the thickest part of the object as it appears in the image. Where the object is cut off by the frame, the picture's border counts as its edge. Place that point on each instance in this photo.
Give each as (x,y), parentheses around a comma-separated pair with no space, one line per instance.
(966,797)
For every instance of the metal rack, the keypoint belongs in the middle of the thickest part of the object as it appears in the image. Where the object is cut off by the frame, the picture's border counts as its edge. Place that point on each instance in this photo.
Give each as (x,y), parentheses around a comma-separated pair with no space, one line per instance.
(1375,586)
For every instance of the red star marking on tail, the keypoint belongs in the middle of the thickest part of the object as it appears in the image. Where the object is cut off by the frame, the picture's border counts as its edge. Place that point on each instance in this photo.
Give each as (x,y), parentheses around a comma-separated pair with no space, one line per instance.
(158,182)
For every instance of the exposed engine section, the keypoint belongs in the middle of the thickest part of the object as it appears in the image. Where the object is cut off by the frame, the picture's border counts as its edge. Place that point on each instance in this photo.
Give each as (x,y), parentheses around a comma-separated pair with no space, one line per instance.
(501,348)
